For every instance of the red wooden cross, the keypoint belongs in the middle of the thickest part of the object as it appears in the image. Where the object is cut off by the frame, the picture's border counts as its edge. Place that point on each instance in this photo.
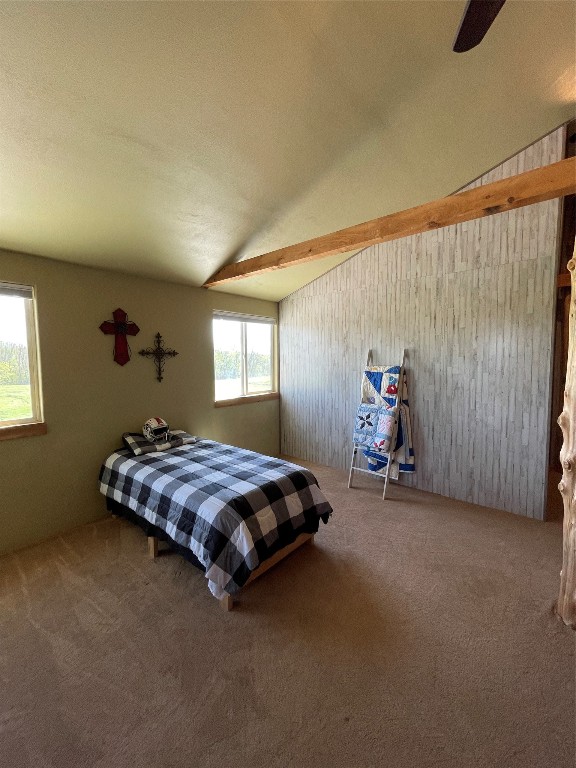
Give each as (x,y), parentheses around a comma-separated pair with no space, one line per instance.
(120,327)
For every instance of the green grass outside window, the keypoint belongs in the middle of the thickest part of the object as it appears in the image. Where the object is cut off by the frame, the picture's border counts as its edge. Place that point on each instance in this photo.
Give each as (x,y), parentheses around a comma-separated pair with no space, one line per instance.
(15,402)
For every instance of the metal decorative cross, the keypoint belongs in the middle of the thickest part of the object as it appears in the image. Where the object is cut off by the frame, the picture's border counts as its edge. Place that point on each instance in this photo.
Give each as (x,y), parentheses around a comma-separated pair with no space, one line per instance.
(159,354)
(120,327)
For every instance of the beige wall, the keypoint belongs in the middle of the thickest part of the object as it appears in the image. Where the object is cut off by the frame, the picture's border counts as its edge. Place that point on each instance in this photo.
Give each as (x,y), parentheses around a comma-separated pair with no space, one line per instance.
(49,483)
(473,304)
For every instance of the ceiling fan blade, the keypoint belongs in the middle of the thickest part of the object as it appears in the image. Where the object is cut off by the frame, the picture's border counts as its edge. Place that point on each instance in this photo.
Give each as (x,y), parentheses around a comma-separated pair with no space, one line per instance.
(476,21)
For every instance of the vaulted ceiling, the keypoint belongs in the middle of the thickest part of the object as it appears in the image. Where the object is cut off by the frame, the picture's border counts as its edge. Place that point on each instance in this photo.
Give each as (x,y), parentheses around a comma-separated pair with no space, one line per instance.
(167,139)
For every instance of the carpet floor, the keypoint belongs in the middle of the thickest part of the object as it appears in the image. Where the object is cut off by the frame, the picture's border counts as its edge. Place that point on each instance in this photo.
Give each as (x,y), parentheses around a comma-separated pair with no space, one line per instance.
(417,632)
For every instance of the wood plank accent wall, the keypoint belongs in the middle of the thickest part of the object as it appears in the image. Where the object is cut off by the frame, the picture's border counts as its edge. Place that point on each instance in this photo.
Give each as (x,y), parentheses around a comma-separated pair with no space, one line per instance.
(473,304)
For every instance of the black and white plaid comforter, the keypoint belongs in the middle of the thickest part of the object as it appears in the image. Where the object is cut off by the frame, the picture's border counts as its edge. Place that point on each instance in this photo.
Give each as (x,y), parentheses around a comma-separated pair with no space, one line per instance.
(231,507)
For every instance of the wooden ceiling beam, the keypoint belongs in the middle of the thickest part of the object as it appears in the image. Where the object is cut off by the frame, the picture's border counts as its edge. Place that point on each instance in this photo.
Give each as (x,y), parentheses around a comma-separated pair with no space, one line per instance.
(546,183)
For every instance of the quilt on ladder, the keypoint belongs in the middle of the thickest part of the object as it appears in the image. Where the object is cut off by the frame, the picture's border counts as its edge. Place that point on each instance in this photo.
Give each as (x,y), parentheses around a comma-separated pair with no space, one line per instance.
(383,392)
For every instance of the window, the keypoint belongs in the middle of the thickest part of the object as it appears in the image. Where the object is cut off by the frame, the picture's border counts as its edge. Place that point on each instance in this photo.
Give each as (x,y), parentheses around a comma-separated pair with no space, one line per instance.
(20,401)
(244,355)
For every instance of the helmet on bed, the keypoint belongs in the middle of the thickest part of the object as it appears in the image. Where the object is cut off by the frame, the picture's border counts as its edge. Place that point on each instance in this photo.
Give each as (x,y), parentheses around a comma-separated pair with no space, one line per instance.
(156,430)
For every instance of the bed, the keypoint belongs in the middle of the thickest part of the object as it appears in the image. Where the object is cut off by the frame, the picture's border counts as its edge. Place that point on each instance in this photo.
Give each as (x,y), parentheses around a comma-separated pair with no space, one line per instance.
(231,512)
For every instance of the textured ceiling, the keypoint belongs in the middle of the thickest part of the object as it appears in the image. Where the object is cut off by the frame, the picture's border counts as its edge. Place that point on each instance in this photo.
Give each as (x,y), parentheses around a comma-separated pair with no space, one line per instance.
(167,139)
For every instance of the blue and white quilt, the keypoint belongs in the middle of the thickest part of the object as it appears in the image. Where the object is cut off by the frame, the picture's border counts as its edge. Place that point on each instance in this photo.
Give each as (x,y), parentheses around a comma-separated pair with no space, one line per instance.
(384,398)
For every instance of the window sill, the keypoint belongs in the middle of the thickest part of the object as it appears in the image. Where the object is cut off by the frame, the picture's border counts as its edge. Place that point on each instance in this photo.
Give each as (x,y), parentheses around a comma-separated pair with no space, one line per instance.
(23,430)
(247,399)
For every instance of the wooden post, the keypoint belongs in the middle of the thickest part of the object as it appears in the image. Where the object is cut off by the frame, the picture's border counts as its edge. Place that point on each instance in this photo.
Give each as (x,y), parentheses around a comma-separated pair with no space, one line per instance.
(566,606)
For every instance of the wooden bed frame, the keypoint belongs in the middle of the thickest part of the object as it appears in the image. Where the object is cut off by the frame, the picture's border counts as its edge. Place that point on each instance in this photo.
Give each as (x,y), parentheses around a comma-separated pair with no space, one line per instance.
(227,601)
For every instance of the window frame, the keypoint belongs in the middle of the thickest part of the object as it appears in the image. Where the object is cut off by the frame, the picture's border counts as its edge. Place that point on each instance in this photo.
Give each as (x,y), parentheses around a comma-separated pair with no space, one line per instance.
(244,319)
(32,425)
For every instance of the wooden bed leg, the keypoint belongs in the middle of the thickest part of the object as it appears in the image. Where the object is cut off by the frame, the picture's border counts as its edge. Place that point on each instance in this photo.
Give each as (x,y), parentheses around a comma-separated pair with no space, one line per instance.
(152,547)
(226,602)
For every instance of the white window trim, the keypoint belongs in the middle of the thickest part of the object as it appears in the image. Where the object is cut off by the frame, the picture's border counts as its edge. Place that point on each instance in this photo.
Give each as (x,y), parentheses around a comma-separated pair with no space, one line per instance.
(35,423)
(223,314)
(265,394)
